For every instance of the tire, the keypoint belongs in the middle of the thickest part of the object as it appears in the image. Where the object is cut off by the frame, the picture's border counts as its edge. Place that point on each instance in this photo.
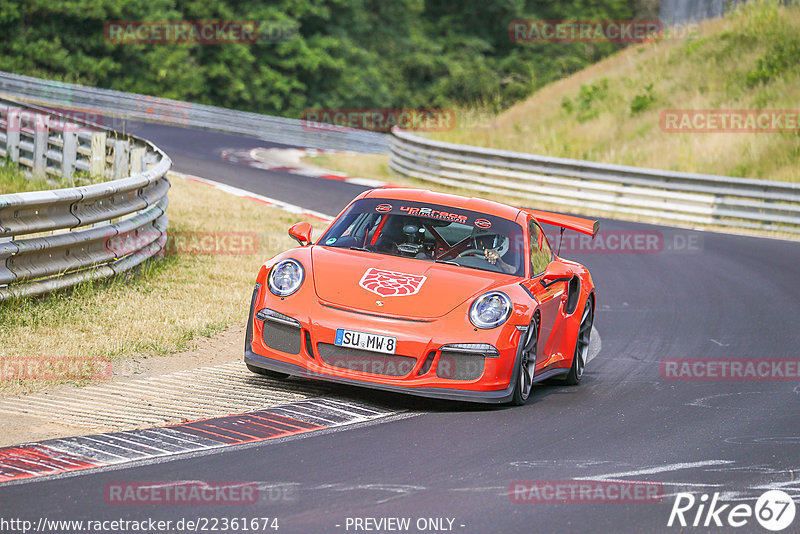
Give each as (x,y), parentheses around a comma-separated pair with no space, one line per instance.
(527,364)
(266,372)
(575,374)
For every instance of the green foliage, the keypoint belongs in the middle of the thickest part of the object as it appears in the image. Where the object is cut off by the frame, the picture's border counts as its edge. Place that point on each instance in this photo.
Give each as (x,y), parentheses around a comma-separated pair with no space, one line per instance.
(693,44)
(344,53)
(781,58)
(586,103)
(13,180)
(643,101)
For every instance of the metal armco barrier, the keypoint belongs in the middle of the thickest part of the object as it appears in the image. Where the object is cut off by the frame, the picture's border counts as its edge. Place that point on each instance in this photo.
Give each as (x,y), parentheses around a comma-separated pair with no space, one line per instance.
(174,112)
(93,231)
(664,195)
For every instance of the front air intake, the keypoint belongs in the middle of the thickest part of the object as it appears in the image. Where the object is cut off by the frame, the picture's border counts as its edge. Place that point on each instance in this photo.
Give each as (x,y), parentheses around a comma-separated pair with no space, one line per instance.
(460,366)
(365,361)
(280,331)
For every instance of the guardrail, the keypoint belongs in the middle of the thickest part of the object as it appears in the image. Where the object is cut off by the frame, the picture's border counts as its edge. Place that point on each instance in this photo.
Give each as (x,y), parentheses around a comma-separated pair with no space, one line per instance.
(92,231)
(174,112)
(664,195)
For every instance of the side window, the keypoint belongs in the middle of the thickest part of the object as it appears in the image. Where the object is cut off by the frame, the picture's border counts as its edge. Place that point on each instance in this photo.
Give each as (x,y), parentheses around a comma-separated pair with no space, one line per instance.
(540,250)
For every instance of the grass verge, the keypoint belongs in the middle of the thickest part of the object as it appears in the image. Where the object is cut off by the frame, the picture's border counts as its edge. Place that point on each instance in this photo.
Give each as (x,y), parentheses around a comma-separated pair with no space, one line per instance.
(13,180)
(611,112)
(161,307)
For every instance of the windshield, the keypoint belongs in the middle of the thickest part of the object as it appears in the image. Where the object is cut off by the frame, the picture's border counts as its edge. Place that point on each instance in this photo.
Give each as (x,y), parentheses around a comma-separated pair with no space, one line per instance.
(430,232)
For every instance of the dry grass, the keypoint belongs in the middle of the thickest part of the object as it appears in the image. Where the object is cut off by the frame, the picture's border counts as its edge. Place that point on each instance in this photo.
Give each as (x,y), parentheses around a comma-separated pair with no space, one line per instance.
(374,166)
(161,308)
(590,115)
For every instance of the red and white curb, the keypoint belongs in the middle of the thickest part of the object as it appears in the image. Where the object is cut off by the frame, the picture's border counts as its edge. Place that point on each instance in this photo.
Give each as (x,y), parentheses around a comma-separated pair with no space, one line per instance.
(65,455)
(261,199)
(291,160)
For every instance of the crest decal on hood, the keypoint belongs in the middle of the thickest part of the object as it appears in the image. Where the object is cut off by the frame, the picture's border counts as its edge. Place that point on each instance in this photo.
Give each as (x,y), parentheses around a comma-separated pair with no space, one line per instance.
(391,283)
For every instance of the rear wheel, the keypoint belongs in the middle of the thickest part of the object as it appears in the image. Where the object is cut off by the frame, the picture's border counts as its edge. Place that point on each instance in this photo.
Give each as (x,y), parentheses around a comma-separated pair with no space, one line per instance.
(581,345)
(527,364)
(266,372)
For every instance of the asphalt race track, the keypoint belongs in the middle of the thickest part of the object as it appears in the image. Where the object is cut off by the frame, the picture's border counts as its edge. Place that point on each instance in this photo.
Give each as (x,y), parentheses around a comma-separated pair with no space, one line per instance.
(449,466)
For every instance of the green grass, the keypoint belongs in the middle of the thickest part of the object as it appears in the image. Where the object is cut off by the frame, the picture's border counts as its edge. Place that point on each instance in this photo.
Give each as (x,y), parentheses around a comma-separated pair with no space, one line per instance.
(12,180)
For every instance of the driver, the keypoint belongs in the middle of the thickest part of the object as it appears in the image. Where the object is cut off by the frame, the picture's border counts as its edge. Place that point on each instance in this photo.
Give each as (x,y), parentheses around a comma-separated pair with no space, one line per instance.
(403,236)
(391,234)
(494,246)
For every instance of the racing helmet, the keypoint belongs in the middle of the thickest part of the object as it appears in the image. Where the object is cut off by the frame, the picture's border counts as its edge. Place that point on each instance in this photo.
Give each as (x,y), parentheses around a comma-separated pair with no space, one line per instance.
(485,238)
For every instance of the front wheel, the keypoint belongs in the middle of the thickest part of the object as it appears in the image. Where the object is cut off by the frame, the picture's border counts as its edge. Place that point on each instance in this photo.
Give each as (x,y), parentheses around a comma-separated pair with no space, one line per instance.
(581,345)
(527,364)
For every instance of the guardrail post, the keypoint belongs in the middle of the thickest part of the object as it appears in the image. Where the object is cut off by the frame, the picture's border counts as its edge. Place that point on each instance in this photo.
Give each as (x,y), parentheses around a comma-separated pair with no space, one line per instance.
(97,165)
(120,165)
(69,152)
(12,133)
(41,132)
(150,161)
(7,249)
(137,160)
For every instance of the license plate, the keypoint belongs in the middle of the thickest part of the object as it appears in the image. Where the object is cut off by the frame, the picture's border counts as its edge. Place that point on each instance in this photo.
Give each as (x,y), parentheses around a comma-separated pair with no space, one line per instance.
(365,341)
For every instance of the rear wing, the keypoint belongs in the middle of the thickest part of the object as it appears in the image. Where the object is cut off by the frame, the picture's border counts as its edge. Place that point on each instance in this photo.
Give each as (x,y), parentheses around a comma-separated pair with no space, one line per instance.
(579,224)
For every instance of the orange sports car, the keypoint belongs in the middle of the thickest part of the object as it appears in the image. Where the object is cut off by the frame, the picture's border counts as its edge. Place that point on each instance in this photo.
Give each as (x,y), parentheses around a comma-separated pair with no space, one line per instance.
(425,293)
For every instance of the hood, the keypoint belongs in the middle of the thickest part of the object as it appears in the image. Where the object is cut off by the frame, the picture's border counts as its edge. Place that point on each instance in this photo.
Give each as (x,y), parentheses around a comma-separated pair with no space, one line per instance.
(407,287)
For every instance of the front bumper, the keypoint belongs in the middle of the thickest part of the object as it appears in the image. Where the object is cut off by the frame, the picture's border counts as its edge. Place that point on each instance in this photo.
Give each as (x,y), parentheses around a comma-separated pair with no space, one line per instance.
(490,397)
(417,341)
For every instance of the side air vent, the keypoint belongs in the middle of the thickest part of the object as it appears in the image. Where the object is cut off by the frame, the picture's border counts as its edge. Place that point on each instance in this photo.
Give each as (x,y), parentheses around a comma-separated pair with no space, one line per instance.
(426,365)
(309,345)
(573,294)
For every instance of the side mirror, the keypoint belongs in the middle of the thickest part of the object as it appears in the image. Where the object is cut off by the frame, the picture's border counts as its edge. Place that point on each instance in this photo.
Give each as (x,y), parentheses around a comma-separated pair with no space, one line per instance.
(556,272)
(301,232)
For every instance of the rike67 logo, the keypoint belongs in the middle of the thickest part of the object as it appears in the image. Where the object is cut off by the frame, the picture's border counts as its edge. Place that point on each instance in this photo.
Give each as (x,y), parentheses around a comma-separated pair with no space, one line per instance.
(391,283)
(774,510)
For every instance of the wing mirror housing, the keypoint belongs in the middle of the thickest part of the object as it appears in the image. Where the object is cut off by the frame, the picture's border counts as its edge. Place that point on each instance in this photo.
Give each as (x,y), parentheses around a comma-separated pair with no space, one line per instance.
(301,232)
(556,272)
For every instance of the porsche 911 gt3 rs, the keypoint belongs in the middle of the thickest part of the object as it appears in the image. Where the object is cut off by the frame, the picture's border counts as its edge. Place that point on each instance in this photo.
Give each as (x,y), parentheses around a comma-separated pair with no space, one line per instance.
(428,294)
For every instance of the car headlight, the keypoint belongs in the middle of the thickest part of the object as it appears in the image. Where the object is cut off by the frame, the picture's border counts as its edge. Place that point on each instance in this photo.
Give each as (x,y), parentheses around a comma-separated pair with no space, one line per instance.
(285,277)
(490,310)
